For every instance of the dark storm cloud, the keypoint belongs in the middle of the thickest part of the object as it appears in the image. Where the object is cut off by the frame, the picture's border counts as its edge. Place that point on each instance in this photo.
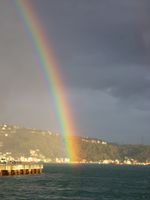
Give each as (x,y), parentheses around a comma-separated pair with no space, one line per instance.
(102,45)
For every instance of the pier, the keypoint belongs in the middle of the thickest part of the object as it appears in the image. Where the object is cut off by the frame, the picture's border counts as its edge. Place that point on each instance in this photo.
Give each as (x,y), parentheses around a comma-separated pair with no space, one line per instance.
(20,169)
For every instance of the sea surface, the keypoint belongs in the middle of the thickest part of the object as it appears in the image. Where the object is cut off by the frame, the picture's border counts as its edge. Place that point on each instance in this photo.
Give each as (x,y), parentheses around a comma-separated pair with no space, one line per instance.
(80,182)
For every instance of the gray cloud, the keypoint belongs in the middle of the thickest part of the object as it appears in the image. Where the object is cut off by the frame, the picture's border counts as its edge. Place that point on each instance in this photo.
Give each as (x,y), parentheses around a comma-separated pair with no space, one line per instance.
(103,48)
(102,44)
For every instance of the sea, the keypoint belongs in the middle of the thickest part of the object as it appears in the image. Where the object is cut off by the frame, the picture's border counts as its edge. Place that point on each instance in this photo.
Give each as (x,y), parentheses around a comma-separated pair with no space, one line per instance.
(79,182)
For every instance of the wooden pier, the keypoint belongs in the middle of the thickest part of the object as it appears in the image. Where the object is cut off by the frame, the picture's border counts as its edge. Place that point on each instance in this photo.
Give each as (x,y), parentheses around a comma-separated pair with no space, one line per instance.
(20,169)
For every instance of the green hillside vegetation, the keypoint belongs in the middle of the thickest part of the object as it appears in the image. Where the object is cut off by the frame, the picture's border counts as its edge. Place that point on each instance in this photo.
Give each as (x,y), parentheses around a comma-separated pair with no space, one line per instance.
(21,141)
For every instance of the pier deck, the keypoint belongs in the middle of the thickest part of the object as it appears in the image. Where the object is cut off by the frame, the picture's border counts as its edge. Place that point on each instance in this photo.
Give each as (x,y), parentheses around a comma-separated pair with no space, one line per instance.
(20,169)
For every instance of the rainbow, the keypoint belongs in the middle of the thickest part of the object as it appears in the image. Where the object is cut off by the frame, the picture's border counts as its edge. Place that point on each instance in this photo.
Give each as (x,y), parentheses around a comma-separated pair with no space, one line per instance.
(52,74)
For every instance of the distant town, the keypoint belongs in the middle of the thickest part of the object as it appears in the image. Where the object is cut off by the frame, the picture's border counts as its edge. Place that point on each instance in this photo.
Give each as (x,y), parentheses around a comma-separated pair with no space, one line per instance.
(36,157)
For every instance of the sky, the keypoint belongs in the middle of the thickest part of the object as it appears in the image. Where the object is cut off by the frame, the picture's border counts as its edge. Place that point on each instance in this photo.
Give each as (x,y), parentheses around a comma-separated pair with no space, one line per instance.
(103,50)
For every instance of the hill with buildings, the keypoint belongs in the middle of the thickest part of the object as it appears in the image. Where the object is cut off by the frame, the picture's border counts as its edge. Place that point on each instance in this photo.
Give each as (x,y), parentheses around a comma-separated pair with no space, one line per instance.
(24,144)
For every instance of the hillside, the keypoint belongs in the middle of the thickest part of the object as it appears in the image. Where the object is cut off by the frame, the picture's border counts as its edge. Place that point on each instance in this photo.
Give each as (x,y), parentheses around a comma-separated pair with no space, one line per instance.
(37,145)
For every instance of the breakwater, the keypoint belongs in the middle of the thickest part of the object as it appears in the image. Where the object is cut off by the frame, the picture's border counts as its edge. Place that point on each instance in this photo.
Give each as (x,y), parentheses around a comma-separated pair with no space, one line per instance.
(20,169)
